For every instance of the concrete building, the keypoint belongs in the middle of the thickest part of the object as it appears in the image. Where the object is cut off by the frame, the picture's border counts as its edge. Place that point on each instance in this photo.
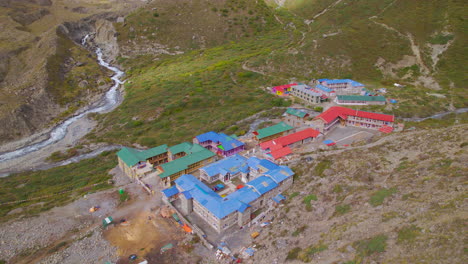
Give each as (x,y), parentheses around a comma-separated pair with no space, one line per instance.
(325,90)
(306,94)
(342,86)
(219,143)
(237,208)
(338,115)
(272,132)
(282,146)
(138,163)
(282,90)
(225,170)
(360,100)
(295,117)
(183,159)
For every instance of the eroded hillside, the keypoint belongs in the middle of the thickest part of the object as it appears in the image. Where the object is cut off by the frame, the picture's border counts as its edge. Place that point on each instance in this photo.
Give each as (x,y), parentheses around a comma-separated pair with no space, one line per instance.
(44,76)
(400,201)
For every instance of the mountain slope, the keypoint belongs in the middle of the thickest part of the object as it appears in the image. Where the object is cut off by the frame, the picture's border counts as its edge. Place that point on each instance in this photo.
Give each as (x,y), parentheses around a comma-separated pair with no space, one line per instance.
(44,76)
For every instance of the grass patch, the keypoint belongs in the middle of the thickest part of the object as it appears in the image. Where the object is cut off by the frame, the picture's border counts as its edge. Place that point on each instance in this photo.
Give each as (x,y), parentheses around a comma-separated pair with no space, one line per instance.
(294,194)
(321,167)
(299,231)
(293,253)
(370,246)
(307,201)
(408,234)
(342,209)
(441,39)
(64,184)
(57,247)
(378,197)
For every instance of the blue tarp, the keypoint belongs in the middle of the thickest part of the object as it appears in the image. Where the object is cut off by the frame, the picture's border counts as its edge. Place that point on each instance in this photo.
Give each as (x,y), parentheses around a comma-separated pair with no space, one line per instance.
(393,101)
(249,251)
(278,198)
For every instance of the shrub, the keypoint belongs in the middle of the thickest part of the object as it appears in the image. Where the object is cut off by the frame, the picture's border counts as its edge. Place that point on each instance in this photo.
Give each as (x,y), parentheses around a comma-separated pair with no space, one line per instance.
(378,197)
(321,167)
(292,254)
(342,209)
(318,109)
(337,189)
(408,233)
(294,194)
(373,245)
(309,198)
(299,230)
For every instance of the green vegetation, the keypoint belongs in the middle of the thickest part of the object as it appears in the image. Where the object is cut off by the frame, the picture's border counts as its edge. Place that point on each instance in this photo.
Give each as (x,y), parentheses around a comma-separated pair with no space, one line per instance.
(342,209)
(60,155)
(64,75)
(441,39)
(294,194)
(293,253)
(370,246)
(446,121)
(321,167)
(408,234)
(307,200)
(57,247)
(123,197)
(337,188)
(306,254)
(176,98)
(318,109)
(299,230)
(378,197)
(61,185)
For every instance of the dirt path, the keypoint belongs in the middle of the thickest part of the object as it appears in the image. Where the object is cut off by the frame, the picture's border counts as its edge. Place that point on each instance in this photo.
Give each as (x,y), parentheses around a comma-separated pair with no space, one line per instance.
(326,9)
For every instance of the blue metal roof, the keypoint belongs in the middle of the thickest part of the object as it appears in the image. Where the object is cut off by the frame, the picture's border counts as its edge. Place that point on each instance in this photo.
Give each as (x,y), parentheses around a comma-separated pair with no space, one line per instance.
(280,174)
(262,184)
(323,88)
(352,82)
(187,194)
(169,192)
(236,201)
(233,164)
(224,140)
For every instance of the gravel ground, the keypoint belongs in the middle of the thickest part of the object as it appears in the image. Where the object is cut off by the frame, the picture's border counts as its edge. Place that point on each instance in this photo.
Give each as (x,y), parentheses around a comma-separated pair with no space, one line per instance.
(19,236)
(89,249)
(25,235)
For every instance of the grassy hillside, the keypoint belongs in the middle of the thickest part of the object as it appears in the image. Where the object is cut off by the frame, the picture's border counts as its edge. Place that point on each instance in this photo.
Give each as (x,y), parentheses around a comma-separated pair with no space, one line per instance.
(174,99)
(62,184)
(176,26)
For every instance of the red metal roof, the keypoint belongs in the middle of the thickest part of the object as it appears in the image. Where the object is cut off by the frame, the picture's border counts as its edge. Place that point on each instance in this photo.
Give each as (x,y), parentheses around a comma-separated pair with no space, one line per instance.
(281,152)
(282,87)
(289,139)
(386,129)
(338,111)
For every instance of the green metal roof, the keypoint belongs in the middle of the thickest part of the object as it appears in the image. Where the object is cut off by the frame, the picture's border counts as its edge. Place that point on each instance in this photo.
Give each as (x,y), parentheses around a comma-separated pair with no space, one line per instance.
(132,156)
(182,147)
(197,153)
(296,112)
(362,98)
(272,130)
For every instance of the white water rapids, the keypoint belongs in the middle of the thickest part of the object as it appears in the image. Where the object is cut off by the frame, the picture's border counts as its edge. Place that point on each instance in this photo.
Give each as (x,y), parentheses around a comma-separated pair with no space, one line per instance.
(111,99)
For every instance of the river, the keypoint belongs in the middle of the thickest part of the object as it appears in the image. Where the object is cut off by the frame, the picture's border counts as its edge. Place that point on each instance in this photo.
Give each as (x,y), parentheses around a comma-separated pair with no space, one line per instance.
(110,100)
